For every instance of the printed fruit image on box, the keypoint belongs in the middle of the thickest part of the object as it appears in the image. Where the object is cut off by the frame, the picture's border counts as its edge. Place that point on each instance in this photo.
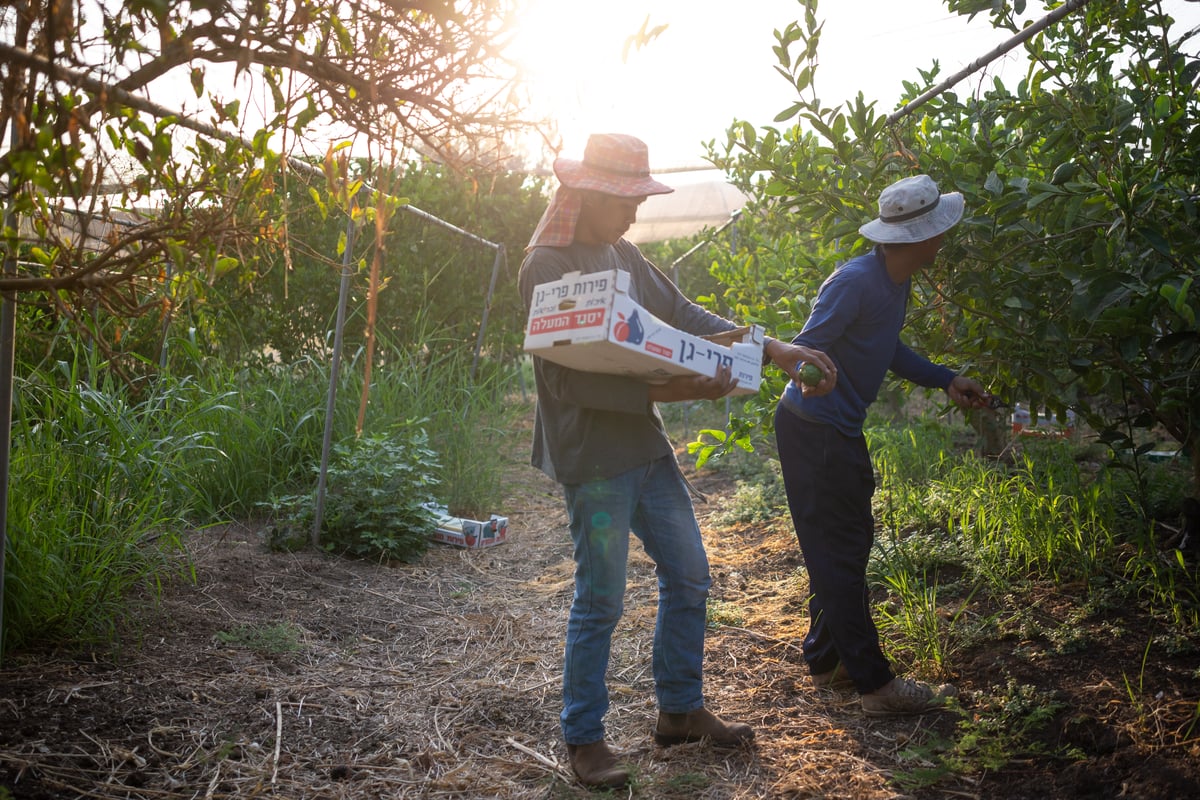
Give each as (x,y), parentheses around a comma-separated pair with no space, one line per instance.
(468,533)
(589,322)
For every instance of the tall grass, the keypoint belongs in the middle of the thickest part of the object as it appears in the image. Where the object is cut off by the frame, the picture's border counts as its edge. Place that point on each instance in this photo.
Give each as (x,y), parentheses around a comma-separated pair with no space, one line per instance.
(266,423)
(99,492)
(952,519)
(1028,523)
(967,547)
(469,419)
(105,480)
(959,528)
(908,460)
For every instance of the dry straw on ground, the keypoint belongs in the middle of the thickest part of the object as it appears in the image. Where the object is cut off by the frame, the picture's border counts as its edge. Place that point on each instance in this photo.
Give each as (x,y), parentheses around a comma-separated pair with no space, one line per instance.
(307,676)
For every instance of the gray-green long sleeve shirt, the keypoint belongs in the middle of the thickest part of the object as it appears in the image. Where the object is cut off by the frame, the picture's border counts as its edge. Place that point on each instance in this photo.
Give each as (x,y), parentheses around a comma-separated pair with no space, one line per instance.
(589,426)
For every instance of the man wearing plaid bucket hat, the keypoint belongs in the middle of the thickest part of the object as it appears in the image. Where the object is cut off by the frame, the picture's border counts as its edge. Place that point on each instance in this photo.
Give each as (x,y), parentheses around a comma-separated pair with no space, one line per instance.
(827,471)
(601,437)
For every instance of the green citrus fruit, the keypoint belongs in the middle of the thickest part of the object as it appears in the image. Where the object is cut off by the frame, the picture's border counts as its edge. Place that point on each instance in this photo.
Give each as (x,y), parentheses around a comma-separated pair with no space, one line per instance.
(811,374)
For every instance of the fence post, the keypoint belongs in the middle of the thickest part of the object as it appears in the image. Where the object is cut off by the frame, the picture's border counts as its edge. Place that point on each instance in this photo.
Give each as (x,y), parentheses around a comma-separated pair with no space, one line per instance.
(334,367)
(8,341)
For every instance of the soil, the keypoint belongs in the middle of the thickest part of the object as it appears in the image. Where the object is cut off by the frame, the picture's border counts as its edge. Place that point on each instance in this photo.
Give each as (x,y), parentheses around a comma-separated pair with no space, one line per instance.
(302,675)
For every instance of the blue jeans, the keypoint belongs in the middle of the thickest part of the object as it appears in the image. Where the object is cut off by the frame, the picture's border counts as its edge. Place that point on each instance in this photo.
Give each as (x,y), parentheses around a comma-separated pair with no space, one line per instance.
(829,483)
(652,501)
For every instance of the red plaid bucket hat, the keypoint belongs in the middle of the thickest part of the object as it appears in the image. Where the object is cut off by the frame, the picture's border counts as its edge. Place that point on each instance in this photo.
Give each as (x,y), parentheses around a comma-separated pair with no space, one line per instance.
(613,163)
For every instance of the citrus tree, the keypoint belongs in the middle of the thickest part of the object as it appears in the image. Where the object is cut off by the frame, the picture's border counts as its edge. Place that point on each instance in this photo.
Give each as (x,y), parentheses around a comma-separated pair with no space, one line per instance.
(1072,280)
(138,173)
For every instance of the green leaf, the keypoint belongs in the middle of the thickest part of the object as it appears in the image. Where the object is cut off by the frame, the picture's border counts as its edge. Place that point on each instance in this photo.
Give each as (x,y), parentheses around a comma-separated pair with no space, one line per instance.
(306,116)
(749,135)
(225,265)
(197,76)
(320,204)
(804,79)
(1063,173)
(1162,106)
(1156,240)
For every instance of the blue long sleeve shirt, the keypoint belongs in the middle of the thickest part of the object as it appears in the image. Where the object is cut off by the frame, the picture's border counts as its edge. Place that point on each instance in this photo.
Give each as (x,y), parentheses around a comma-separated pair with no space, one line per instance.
(856,320)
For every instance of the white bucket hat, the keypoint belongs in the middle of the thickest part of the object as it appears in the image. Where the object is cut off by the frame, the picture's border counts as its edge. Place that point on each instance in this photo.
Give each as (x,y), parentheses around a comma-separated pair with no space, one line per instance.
(912,210)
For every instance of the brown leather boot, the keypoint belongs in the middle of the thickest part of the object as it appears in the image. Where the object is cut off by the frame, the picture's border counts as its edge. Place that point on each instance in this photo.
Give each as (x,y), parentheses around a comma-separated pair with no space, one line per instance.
(700,724)
(595,765)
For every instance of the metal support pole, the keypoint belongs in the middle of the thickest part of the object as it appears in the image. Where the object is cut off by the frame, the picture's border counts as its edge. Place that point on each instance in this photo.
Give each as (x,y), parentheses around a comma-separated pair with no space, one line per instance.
(703,243)
(166,323)
(8,340)
(487,306)
(334,367)
(1069,7)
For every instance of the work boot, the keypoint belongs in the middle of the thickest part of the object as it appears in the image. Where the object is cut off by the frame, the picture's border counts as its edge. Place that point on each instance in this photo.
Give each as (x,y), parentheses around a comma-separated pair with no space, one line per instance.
(836,679)
(905,696)
(595,765)
(700,724)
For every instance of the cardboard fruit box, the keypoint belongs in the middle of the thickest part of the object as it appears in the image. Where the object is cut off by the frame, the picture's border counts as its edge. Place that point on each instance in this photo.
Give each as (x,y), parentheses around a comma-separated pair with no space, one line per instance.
(590,323)
(468,533)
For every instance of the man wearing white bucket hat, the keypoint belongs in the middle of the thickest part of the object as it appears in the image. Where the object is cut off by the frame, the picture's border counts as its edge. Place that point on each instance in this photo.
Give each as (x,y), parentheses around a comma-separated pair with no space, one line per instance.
(601,438)
(827,472)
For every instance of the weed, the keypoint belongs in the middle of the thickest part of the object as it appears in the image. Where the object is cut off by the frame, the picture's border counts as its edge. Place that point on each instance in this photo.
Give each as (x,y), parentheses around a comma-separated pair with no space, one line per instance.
(378,488)
(1187,734)
(687,782)
(754,502)
(721,613)
(929,638)
(1074,635)
(1003,727)
(104,491)
(1176,643)
(276,639)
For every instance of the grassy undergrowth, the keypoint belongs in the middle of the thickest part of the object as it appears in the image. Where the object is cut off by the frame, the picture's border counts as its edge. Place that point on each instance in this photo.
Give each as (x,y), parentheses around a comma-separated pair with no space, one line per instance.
(107,478)
(965,545)
(970,548)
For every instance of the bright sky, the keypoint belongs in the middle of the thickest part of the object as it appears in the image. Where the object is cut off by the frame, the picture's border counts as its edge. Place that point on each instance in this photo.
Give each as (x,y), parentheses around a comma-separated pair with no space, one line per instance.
(714,62)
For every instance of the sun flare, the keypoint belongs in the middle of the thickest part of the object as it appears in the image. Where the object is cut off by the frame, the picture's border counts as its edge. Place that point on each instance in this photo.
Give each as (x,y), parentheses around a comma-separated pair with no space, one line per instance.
(581,70)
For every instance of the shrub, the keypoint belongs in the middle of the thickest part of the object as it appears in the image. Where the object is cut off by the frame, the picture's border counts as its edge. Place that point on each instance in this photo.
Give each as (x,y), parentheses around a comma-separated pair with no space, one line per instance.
(377,488)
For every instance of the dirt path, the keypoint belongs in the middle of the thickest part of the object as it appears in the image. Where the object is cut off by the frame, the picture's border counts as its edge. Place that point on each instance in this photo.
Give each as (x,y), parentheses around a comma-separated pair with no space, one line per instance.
(306,676)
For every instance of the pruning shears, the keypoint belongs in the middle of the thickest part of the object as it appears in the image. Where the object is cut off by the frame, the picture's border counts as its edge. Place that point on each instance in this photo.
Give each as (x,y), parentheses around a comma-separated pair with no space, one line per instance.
(992,401)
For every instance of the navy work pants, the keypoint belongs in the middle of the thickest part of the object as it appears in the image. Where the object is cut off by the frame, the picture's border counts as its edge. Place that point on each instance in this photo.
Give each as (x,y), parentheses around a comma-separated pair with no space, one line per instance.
(829,483)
